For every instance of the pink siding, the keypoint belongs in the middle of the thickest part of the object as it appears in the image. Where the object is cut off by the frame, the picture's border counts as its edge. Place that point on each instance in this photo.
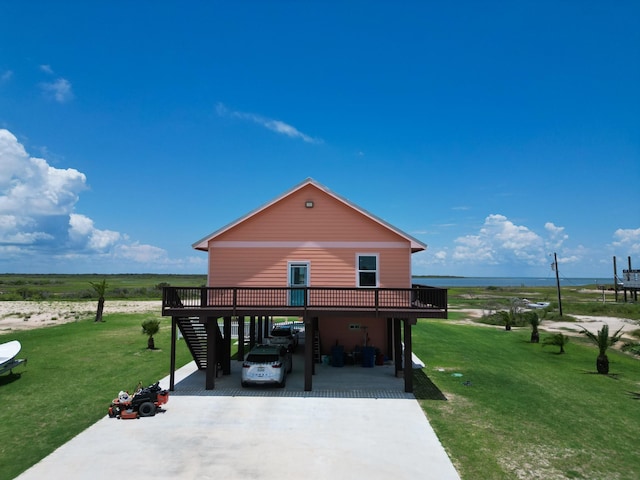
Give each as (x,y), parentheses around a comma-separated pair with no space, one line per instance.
(328,220)
(268,267)
(334,329)
(278,234)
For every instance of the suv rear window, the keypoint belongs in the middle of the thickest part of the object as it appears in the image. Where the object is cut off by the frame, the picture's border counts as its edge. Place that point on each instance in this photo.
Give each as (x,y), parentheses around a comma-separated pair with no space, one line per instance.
(281,332)
(257,358)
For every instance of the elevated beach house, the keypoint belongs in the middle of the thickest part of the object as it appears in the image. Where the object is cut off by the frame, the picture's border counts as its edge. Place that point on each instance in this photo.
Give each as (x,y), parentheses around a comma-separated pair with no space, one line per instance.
(313,255)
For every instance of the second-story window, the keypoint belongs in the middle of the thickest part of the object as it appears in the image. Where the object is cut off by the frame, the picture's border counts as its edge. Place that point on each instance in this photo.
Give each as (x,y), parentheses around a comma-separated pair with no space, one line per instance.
(367,270)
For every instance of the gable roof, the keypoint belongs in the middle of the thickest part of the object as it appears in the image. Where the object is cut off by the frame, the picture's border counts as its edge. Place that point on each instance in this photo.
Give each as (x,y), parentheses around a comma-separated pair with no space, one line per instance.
(416,245)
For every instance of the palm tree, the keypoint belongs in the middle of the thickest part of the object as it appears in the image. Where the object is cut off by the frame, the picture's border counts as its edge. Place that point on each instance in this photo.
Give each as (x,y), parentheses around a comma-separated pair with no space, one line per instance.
(150,328)
(511,317)
(603,341)
(100,289)
(505,318)
(534,320)
(514,314)
(557,339)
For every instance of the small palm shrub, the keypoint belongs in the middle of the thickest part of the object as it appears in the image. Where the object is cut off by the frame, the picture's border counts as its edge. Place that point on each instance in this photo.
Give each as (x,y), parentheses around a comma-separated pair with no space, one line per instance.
(503,317)
(603,341)
(507,319)
(558,340)
(633,346)
(534,320)
(151,327)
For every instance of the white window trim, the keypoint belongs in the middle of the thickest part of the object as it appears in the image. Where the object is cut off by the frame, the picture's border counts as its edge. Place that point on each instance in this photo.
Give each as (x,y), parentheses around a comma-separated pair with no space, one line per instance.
(377,270)
(307,263)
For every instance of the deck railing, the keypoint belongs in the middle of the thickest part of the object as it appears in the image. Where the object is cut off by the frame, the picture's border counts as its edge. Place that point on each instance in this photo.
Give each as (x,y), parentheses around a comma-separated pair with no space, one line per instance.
(234,298)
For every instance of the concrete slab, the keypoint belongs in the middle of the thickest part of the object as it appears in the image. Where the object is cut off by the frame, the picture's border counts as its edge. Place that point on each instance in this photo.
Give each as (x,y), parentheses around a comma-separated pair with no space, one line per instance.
(350,381)
(256,435)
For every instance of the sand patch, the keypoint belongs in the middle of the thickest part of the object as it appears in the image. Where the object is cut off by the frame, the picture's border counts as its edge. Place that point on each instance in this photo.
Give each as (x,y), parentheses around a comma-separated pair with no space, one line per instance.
(590,322)
(15,316)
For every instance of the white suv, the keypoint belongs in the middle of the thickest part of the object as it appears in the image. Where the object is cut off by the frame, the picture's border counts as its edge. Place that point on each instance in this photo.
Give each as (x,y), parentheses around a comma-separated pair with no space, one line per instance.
(266,364)
(284,336)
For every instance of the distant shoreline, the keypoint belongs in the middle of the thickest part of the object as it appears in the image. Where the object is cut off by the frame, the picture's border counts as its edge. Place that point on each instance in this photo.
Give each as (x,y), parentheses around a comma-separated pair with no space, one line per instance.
(439,276)
(550,281)
(147,285)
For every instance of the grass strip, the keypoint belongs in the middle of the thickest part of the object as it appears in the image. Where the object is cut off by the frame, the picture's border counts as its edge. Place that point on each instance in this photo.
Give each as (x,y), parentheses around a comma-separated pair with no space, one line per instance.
(515,410)
(73,372)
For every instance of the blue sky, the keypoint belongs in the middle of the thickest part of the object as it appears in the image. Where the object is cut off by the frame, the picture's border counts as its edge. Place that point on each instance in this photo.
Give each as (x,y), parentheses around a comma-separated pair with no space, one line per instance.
(495,132)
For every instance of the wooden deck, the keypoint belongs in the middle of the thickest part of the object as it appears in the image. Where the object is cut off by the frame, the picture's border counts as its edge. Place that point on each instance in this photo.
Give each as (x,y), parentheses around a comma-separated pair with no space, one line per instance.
(410,303)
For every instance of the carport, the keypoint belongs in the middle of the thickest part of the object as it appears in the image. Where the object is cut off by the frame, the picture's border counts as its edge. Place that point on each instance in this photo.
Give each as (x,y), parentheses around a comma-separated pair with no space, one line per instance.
(195,312)
(211,349)
(350,381)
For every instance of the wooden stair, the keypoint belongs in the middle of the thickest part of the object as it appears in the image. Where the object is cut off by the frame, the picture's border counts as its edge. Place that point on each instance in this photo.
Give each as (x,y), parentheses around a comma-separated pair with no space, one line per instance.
(195,334)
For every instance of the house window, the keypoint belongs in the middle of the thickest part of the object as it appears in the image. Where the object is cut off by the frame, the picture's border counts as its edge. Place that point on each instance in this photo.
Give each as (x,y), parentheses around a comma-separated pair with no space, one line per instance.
(367,270)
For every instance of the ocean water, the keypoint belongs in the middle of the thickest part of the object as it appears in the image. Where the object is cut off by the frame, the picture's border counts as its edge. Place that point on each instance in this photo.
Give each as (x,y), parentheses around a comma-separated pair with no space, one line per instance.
(510,281)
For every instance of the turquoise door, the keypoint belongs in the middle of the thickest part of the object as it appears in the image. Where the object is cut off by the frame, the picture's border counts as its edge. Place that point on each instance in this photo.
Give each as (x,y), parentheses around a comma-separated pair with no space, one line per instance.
(298,277)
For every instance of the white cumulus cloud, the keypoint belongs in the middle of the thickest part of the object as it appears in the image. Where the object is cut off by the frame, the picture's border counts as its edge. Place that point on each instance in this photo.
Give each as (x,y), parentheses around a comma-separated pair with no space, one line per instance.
(39,225)
(502,242)
(82,231)
(35,198)
(142,253)
(628,239)
(31,186)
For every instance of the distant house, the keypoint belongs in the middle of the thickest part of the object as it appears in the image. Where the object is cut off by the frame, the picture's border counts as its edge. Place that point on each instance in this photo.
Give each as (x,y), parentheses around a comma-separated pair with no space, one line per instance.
(312,254)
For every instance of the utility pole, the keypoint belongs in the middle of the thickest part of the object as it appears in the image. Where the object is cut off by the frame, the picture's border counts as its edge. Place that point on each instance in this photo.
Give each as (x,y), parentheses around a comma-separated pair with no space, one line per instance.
(555,267)
(634,292)
(615,278)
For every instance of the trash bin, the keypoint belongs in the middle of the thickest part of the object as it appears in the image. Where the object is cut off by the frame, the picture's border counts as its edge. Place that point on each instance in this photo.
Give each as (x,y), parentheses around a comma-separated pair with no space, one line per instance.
(337,356)
(368,356)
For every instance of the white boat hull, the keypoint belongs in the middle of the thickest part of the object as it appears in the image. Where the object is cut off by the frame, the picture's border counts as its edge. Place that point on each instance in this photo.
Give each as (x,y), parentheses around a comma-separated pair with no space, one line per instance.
(8,351)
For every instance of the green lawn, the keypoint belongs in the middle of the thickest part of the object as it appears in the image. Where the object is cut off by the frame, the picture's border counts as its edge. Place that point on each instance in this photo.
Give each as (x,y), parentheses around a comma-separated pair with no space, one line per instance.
(78,286)
(517,410)
(73,373)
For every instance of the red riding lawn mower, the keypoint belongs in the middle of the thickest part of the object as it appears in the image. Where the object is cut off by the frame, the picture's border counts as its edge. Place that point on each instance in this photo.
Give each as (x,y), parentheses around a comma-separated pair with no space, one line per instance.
(146,402)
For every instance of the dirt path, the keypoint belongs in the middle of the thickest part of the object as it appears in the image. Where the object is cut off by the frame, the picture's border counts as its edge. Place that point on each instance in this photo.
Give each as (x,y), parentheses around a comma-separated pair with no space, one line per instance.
(15,316)
(590,322)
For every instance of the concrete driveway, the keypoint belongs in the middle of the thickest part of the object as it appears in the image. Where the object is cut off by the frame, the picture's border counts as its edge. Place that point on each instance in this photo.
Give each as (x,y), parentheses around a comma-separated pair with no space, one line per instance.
(340,430)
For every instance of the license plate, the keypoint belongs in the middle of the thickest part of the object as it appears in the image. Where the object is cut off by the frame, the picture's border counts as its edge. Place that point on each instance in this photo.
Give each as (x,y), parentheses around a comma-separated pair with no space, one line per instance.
(261,369)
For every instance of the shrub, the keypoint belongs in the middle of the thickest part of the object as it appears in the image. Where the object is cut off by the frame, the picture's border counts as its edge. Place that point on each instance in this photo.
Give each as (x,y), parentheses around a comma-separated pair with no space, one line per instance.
(558,340)
(502,317)
(603,341)
(150,327)
(534,320)
(631,347)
